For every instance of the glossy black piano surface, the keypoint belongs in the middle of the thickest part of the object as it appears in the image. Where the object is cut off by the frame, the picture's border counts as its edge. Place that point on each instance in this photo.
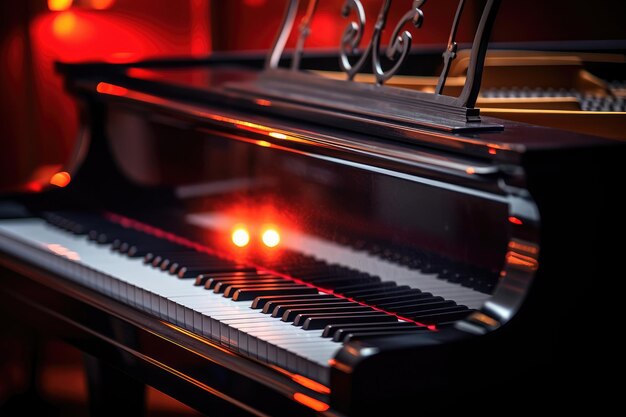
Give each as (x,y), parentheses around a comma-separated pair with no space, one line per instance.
(436,271)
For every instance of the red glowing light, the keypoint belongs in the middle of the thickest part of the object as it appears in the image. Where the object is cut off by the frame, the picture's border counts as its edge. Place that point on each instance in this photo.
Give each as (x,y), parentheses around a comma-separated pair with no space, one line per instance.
(515,220)
(101,4)
(61,179)
(263,102)
(271,238)
(64,24)
(59,5)
(240,237)
(492,151)
(310,402)
(122,57)
(470,170)
(33,186)
(114,90)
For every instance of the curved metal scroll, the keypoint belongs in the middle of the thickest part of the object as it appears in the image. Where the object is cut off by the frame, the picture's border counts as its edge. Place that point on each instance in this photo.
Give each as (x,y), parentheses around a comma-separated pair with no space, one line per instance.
(400,45)
(351,39)
(397,50)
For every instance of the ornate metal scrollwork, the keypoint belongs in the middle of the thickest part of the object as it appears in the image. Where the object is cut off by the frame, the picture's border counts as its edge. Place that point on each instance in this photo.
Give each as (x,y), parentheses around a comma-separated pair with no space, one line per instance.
(351,38)
(352,60)
(396,51)
(400,44)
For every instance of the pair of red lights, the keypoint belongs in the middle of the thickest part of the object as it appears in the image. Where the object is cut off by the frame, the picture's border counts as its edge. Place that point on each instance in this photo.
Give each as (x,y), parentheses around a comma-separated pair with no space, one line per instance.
(241,237)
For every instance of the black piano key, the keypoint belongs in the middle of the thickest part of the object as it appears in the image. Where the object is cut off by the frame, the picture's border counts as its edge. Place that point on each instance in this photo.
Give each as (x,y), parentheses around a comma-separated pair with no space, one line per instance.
(443,317)
(194,272)
(195,258)
(374,335)
(358,287)
(105,237)
(229,290)
(303,268)
(162,254)
(173,266)
(411,310)
(74,222)
(137,250)
(305,312)
(251,294)
(377,292)
(202,279)
(409,295)
(343,335)
(319,322)
(163,261)
(331,329)
(409,303)
(176,267)
(221,286)
(333,282)
(211,280)
(262,301)
(127,236)
(301,318)
(425,312)
(314,275)
(280,309)
(188,257)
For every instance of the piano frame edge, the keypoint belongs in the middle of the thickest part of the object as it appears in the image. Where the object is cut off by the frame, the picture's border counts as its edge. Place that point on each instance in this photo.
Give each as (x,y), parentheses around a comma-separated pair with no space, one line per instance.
(187,367)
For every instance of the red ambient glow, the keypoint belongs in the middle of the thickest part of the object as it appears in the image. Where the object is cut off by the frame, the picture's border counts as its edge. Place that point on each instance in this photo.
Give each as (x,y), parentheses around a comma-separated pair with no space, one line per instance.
(59,5)
(316,405)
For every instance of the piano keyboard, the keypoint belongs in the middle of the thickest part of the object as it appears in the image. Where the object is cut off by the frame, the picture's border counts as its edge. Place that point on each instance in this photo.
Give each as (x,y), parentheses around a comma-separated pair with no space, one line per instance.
(296,323)
(361,260)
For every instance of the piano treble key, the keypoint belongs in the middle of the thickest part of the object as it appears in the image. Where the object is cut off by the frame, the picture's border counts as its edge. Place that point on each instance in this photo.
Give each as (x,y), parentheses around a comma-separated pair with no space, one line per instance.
(251,294)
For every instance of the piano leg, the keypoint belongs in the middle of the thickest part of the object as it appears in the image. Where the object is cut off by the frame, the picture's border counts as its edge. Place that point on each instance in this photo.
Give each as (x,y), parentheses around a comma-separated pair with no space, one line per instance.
(111,391)
(20,366)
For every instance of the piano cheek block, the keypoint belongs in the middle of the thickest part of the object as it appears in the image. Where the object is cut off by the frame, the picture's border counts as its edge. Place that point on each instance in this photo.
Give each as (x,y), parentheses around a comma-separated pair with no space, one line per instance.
(406,366)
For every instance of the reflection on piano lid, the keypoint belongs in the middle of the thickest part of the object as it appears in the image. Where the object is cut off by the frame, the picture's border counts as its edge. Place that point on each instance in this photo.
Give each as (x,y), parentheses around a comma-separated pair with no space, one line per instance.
(282,247)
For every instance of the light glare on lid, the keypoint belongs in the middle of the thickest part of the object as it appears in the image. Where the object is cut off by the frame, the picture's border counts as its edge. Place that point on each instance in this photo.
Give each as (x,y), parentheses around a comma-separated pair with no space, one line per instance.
(61,179)
(240,237)
(271,238)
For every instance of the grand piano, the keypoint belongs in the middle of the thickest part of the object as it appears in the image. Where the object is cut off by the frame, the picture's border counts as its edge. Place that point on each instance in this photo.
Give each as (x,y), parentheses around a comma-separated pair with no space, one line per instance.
(318,240)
